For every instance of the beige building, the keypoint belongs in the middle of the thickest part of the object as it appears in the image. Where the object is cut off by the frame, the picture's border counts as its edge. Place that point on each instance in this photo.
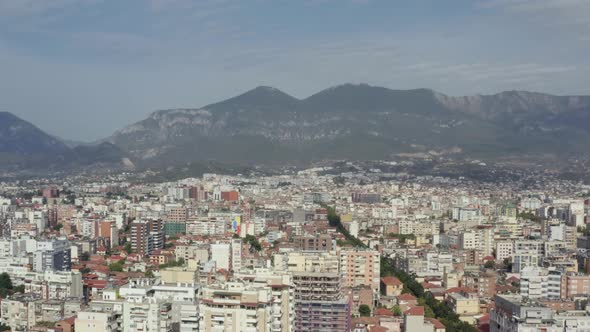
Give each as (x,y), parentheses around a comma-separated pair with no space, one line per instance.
(466,305)
(18,312)
(360,268)
(307,261)
(96,321)
(179,274)
(236,306)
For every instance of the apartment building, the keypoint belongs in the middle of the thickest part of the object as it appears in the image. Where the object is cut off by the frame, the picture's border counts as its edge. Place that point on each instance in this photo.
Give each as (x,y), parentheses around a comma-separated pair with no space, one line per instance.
(235,306)
(360,267)
(319,303)
(147,236)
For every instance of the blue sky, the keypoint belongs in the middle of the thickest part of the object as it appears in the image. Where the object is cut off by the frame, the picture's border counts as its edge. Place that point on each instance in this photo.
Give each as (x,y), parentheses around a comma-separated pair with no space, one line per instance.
(81,69)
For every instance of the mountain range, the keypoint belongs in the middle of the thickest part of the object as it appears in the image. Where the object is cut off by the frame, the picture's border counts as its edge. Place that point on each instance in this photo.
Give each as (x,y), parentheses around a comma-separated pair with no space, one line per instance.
(266,125)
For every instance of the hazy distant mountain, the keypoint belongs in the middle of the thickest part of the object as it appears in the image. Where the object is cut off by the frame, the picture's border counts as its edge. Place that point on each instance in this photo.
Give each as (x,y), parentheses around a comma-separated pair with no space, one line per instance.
(359,122)
(343,122)
(20,137)
(24,146)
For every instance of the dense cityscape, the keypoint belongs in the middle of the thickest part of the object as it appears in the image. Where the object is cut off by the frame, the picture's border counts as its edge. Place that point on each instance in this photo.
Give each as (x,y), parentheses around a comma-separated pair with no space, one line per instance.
(294,166)
(311,250)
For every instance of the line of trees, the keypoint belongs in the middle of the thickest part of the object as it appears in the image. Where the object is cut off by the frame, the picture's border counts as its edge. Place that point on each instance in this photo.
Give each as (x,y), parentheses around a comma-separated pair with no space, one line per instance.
(433,308)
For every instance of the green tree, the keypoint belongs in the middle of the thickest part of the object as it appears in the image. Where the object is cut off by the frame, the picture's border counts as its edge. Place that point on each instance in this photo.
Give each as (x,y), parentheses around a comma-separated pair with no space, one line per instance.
(149,274)
(117,267)
(5,281)
(397,311)
(128,248)
(364,310)
(85,256)
(490,264)
(253,242)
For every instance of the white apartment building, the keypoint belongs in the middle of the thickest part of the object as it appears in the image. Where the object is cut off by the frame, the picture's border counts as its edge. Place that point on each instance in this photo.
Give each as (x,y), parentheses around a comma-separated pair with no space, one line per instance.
(534,283)
(234,306)
(221,255)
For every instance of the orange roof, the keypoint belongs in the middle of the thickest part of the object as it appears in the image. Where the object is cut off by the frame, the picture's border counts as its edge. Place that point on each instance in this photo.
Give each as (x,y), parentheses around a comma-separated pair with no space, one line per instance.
(436,323)
(69,320)
(383,312)
(378,329)
(391,281)
(415,311)
(427,285)
(406,297)
(460,289)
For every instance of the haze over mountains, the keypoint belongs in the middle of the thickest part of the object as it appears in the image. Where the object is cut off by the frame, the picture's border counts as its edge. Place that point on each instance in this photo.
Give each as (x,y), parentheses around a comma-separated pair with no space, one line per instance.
(266,125)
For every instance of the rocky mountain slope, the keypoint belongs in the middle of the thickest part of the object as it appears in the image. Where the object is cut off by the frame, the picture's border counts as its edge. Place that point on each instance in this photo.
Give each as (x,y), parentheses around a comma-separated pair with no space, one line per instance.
(359,122)
(266,125)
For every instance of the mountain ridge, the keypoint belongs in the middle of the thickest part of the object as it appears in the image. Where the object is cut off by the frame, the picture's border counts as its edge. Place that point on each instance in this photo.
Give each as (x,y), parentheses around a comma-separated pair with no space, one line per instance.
(347,121)
(334,123)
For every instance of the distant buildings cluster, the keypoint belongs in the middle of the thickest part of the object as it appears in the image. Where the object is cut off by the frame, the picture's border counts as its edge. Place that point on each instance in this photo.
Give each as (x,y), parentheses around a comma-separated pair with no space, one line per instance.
(240,253)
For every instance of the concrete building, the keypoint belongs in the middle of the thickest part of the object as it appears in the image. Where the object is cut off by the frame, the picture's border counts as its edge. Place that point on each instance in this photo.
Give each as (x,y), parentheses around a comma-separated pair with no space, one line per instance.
(234,306)
(98,321)
(18,312)
(147,236)
(54,255)
(221,255)
(149,315)
(319,303)
(360,268)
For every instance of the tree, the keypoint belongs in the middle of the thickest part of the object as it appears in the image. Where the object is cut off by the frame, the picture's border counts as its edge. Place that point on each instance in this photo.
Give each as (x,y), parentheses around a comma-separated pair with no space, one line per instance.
(364,310)
(85,256)
(397,311)
(5,281)
(490,264)
(58,227)
(149,274)
(128,248)
(117,267)
(85,270)
(253,242)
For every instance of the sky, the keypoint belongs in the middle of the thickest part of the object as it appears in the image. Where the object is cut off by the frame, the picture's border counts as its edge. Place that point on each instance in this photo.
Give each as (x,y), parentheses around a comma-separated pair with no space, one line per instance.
(81,69)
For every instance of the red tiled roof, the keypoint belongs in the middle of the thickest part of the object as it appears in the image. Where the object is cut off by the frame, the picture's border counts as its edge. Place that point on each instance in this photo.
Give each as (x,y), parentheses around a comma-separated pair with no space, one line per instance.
(391,281)
(485,319)
(436,323)
(383,312)
(512,279)
(459,290)
(100,284)
(415,311)
(427,285)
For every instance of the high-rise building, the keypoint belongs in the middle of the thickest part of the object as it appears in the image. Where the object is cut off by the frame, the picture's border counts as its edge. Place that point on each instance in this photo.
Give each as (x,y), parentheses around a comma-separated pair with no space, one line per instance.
(198,193)
(236,254)
(147,236)
(109,230)
(54,255)
(360,268)
(235,306)
(320,304)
